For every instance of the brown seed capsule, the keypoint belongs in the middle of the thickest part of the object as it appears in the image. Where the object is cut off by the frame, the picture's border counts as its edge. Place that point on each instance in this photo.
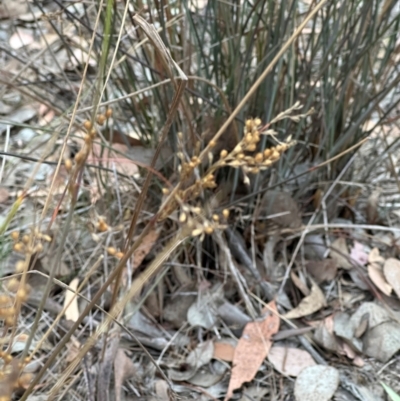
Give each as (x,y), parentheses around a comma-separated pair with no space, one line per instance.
(119,255)
(88,139)
(80,156)
(22,294)
(275,155)
(225,213)
(267,153)
(88,125)
(15,235)
(208,230)
(109,112)
(101,119)
(248,138)
(25,239)
(111,251)
(249,124)
(13,285)
(5,300)
(19,247)
(258,157)
(68,164)
(93,133)
(7,358)
(102,226)
(24,380)
(223,154)
(197,231)
(20,266)
(7,312)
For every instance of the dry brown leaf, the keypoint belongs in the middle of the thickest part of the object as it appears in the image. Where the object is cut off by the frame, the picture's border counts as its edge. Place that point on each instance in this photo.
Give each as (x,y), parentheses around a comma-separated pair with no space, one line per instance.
(123,369)
(340,253)
(376,275)
(281,209)
(252,349)
(290,361)
(145,247)
(308,305)
(391,270)
(71,302)
(114,157)
(223,351)
(322,270)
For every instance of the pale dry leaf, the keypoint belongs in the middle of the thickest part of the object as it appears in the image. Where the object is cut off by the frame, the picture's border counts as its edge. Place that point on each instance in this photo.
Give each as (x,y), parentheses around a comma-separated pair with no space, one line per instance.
(21,38)
(209,375)
(73,346)
(376,275)
(372,207)
(299,283)
(316,383)
(123,369)
(162,390)
(252,348)
(19,343)
(324,335)
(383,341)
(308,305)
(71,301)
(345,349)
(11,9)
(358,361)
(290,361)
(4,195)
(375,257)
(340,253)
(391,270)
(23,114)
(322,270)
(374,314)
(358,254)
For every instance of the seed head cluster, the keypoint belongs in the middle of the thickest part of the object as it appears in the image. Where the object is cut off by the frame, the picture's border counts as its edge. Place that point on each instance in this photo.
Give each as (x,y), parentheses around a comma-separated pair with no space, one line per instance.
(12,295)
(244,154)
(91,129)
